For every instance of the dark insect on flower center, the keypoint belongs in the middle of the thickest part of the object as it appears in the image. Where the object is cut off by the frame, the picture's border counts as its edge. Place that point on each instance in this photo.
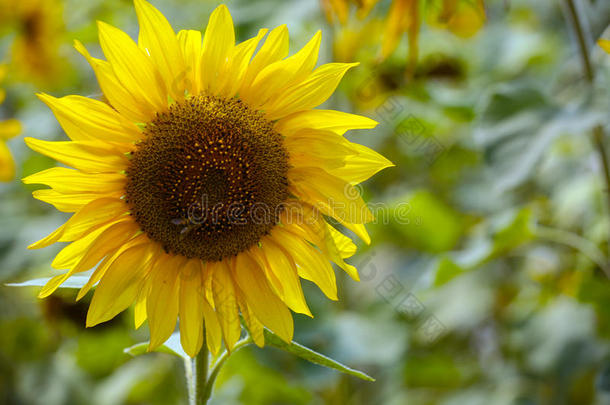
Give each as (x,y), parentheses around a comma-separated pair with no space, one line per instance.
(209,180)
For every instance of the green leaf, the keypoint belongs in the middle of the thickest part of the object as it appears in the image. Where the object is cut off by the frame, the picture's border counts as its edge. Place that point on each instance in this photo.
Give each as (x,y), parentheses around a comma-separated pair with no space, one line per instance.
(447,270)
(171,346)
(311,356)
(518,232)
(508,101)
(426,222)
(73,282)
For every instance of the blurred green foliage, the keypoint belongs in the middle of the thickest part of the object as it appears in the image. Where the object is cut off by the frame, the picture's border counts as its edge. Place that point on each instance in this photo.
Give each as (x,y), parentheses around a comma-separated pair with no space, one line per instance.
(485,285)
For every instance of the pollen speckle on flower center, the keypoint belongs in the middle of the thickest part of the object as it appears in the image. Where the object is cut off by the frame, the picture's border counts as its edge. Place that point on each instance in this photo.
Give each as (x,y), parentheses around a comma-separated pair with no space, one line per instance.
(209,179)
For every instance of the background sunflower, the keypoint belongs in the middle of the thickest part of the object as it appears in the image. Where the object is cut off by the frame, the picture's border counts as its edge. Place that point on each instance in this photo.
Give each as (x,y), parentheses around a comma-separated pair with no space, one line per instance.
(8,129)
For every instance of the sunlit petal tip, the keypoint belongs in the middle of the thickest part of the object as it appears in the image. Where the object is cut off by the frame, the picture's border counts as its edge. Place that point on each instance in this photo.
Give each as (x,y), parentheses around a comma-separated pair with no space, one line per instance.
(222,15)
(53,284)
(101,25)
(90,321)
(44,96)
(222,8)
(80,48)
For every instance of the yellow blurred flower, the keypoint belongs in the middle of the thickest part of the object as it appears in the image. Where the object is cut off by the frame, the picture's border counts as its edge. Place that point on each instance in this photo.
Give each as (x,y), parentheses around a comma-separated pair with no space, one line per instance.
(354,38)
(605,44)
(339,9)
(38,27)
(464,18)
(8,129)
(201,184)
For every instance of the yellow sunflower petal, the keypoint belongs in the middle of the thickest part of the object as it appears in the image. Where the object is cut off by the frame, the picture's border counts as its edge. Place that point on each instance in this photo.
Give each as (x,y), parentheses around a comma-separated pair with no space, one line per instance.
(162,303)
(53,284)
(93,215)
(267,307)
(345,246)
(273,49)
(117,95)
(605,44)
(283,73)
(160,42)
(208,278)
(276,259)
(85,119)
(191,307)
(338,247)
(323,149)
(88,156)
(89,218)
(255,327)
(359,230)
(275,282)
(311,264)
(325,120)
(9,128)
(71,253)
(330,194)
(225,303)
(66,202)
(107,262)
(237,68)
(139,310)
(310,93)
(314,225)
(103,242)
(66,180)
(132,67)
(362,166)
(121,284)
(331,242)
(218,44)
(213,333)
(190,41)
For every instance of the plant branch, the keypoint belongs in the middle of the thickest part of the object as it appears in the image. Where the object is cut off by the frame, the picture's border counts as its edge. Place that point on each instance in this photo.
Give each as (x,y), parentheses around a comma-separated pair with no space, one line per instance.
(575,241)
(598,131)
(583,48)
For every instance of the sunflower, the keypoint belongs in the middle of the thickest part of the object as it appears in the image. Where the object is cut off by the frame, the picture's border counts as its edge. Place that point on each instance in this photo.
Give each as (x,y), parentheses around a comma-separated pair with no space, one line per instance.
(340,9)
(8,129)
(38,28)
(463,18)
(205,185)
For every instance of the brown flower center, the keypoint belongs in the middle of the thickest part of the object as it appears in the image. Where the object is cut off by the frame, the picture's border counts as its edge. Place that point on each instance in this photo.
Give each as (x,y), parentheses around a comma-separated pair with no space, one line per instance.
(209,179)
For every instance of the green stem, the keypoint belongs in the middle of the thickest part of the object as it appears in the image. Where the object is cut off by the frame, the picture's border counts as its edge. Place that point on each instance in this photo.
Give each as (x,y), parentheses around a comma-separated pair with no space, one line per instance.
(577,25)
(200,375)
(598,130)
(207,394)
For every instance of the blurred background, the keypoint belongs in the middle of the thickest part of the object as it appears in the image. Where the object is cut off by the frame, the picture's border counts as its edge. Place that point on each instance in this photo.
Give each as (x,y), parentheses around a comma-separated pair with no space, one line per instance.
(486,282)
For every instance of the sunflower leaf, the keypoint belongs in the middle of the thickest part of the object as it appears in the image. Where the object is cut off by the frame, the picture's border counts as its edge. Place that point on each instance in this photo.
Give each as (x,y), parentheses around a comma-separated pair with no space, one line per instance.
(171,346)
(311,356)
